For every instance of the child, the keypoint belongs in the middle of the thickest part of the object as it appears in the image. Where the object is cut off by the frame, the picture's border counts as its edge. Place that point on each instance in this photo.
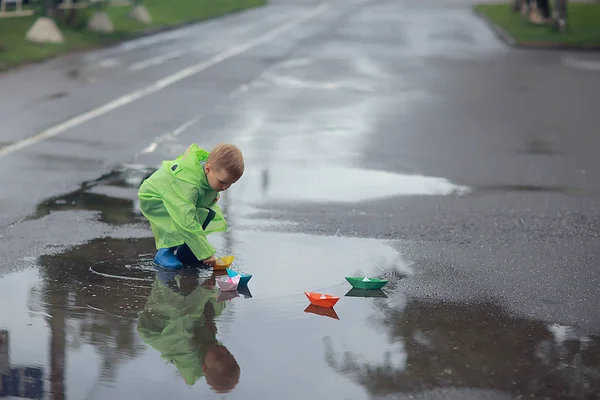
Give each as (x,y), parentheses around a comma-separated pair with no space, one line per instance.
(179,200)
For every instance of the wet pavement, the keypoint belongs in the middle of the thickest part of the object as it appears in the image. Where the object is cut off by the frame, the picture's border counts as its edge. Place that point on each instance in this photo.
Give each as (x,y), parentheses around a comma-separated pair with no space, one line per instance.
(98,320)
(432,156)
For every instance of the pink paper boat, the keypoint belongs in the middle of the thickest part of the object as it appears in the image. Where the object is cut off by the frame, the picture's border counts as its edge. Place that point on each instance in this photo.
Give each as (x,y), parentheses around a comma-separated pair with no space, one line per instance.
(229,284)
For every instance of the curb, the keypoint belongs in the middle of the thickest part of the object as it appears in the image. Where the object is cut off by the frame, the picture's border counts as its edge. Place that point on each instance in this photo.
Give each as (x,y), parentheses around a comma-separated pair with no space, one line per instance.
(115,42)
(511,41)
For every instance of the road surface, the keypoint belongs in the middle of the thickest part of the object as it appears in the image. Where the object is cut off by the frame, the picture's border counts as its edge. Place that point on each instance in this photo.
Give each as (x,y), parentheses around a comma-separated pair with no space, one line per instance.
(385,138)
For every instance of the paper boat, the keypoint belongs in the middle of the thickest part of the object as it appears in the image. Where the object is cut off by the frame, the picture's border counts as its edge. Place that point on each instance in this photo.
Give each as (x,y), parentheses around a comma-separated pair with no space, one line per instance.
(229,284)
(224,262)
(366,283)
(321,300)
(227,296)
(354,292)
(326,312)
(244,278)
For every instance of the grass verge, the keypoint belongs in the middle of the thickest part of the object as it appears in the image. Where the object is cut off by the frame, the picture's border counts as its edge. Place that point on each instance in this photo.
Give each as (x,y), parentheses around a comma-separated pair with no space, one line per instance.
(583,26)
(15,50)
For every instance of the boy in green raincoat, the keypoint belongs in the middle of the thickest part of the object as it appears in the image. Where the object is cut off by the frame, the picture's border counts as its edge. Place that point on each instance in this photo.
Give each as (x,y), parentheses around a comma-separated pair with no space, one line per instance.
(179,200)
(178,320)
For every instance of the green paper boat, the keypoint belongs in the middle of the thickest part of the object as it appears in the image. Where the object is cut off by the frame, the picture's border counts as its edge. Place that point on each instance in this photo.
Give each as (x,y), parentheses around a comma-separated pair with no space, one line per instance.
(366,283)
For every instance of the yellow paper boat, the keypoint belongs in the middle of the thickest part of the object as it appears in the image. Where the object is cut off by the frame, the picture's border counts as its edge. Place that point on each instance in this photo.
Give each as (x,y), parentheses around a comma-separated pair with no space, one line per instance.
(224,262)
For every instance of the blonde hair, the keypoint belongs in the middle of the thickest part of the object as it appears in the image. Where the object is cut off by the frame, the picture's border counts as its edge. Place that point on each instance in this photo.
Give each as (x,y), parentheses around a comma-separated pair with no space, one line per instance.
(227,157)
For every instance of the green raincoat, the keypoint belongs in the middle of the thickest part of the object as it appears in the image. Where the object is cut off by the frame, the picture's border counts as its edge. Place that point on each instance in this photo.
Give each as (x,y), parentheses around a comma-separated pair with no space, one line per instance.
(181,327)
(180,204)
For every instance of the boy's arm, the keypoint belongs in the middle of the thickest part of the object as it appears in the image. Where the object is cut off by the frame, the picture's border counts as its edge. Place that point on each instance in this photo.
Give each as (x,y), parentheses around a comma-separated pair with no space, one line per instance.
(181,207)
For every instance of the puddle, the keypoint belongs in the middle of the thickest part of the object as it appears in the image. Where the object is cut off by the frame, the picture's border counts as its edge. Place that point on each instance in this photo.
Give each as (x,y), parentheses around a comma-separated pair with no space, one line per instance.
(474,346)
(111,210)
(127,176)
(307,183)
(99,322)
(112,196)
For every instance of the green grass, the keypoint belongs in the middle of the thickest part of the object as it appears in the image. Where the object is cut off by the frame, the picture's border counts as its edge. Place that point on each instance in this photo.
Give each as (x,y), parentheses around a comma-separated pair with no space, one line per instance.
(15,50)
(583,25)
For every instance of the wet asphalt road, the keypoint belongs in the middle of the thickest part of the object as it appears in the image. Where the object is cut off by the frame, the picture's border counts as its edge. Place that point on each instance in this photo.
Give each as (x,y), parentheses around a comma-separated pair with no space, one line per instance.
(386,138)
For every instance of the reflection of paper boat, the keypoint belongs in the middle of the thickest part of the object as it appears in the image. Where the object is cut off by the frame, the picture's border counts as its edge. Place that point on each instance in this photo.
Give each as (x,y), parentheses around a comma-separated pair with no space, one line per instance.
(326,312)
(244,278)
(224,262)
(229,284)
(321,300)
(366,283)
(366,293)
(244,291)
(225,296)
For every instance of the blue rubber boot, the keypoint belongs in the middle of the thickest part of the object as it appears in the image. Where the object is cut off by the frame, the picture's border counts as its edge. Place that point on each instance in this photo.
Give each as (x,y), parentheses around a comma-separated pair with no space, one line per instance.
(166,258)
(185,255)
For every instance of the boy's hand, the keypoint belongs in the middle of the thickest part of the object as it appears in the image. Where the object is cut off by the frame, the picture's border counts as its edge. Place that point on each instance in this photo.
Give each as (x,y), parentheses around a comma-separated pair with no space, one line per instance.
(210,261)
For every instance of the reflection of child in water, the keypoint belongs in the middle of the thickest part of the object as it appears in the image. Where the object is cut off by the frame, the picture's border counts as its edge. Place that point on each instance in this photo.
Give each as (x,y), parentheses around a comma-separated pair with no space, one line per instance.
(178,321)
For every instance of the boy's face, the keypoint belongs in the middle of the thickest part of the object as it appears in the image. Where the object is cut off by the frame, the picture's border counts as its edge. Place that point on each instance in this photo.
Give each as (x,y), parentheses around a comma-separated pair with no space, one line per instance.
(219,179)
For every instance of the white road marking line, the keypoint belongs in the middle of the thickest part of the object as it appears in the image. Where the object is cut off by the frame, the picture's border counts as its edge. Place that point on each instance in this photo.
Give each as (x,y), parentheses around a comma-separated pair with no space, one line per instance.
(160,84)
(184,127)
(578,63)
(169,135)
(107,63)
(150,62)
(241,89)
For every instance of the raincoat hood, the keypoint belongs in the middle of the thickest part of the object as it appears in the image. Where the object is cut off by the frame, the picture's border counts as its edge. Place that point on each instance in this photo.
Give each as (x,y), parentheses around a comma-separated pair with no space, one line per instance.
(191,163)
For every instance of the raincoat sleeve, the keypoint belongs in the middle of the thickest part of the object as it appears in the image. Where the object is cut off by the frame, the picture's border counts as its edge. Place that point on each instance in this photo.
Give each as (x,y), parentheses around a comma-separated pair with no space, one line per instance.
(181,206)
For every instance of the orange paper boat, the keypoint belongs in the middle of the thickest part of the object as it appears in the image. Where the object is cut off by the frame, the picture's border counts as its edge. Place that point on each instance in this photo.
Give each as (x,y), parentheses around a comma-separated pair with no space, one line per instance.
(321,300)
(223,263)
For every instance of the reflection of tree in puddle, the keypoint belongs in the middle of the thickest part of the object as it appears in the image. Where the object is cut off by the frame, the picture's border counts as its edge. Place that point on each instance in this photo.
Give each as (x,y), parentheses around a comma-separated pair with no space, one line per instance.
(476,346)
(85,308)
(101,309)
(179,321)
